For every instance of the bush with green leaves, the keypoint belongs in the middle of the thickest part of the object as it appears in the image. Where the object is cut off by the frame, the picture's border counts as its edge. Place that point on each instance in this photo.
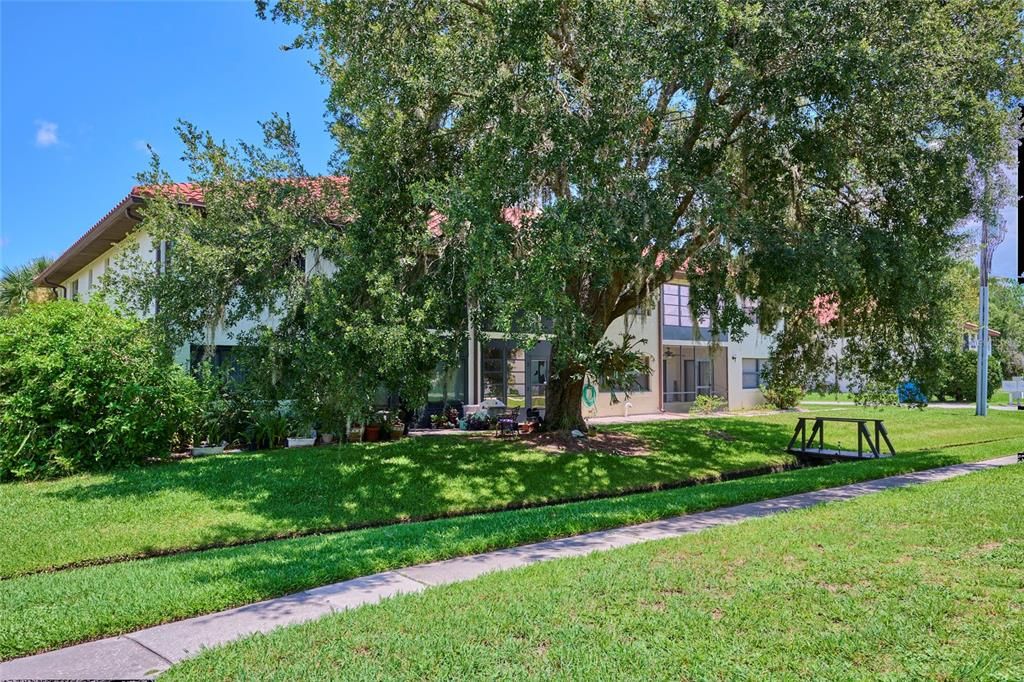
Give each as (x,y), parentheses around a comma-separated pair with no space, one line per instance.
(83,388)
(783,398)
(708,404)
(959,376)
(782,381)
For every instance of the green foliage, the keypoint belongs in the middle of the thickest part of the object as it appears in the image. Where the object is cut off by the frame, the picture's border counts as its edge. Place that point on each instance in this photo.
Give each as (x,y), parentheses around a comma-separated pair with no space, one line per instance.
(269,426)
(708,404)
(783,398)
(783,380)
(959,380)
(341,310)
(876,394)
(17,286)
(219,415)
(82,388)
(1006,315)
(770,152)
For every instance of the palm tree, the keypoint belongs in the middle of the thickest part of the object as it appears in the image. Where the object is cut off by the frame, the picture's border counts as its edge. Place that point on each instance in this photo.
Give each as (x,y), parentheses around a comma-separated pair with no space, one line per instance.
(17,288)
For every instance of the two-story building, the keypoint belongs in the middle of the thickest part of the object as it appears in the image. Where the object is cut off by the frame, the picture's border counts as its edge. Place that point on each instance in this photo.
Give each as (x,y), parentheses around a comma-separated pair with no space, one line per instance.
(685,361)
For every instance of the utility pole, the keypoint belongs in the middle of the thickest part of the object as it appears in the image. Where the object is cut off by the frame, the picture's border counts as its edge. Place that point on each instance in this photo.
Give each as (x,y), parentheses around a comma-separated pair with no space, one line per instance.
(984,260)
(1020,200)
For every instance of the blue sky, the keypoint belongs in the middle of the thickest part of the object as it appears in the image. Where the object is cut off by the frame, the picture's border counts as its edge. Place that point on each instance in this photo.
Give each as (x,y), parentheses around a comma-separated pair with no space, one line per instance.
(85,85)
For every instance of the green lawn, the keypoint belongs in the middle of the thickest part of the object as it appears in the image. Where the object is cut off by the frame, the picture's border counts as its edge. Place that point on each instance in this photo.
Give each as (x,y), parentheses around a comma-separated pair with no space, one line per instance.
(919,583)
(829,397)
(53,609)
(1000,397)
(229,499)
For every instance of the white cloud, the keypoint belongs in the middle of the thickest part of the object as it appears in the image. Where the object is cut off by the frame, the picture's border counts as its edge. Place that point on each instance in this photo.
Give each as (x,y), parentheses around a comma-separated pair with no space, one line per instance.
(46,134)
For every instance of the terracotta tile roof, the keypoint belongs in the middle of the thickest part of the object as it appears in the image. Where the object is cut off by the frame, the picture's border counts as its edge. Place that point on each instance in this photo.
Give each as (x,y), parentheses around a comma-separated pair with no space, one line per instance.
(115,225)
(192,192)
(185,192)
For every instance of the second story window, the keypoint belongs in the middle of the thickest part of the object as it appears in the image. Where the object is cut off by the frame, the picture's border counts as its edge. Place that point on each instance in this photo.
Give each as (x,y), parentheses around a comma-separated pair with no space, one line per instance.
(676,307)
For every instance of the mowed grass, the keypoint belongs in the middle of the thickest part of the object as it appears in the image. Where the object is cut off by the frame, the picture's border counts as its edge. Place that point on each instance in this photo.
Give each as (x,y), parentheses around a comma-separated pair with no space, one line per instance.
(248,496)
(1000,397)
(918,583)
(243,497)
(49,610)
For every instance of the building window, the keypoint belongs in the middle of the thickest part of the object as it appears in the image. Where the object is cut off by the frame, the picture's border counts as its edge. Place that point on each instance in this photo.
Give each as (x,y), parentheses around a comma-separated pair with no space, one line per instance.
(753,368)
(516,377)
(750,308)
(676,307)
(74,290)
(449,383)
(221,358)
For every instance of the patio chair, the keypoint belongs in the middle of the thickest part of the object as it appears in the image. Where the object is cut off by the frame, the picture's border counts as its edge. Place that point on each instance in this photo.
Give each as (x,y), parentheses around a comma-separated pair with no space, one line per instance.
(508,424)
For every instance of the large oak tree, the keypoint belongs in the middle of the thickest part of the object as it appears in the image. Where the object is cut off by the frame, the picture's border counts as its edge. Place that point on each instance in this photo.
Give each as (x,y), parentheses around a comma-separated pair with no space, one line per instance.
(804,155)
(551,163)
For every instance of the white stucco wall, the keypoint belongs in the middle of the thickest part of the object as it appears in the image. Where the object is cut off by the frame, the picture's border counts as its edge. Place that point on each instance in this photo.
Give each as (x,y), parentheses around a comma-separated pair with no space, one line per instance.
(753,345)
(644,328)
(222,336)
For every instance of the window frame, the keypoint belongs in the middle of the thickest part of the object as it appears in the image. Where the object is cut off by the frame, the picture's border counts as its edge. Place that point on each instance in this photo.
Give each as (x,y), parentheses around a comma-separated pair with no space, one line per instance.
(760,365)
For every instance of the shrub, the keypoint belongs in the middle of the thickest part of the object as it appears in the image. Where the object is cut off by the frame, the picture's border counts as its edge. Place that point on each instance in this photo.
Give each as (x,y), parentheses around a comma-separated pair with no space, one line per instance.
(783,398)
(707,404)
(82,388)
(960,376)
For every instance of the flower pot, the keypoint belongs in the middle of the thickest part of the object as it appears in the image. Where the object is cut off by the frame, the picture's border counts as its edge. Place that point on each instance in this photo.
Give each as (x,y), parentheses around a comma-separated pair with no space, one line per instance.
(371,434)
(355,434)
(397,432)
(207,450)
(301,442)
(326,438)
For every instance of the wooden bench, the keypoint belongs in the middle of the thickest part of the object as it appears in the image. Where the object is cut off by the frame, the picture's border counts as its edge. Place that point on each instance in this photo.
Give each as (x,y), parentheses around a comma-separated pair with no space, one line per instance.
(873,437)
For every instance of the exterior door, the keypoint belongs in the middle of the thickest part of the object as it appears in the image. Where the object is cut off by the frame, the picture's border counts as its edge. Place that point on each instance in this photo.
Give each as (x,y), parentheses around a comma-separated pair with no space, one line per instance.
(704,377)
(538,371)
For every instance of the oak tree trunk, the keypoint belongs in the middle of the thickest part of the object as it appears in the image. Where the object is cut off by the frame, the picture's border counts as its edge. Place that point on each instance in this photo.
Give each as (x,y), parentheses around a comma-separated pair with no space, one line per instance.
(563,401)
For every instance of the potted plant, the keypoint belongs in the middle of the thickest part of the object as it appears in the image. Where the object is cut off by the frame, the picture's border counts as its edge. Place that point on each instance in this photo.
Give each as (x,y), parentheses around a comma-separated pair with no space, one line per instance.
(384,420)
(305,436)
(211,420)
(208,434)
(355,432)
(372,432)
(301,441)
(397,429)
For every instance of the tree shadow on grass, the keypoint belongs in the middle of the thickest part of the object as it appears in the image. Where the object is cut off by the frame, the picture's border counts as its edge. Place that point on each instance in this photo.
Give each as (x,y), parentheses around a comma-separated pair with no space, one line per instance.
(284,492)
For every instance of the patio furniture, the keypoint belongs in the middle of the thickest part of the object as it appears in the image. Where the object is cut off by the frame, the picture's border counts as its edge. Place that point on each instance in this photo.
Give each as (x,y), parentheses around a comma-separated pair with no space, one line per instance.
(508,424)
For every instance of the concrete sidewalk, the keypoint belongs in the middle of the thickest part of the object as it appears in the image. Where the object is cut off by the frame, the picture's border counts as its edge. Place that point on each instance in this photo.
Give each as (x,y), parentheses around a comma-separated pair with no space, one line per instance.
(146,653)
